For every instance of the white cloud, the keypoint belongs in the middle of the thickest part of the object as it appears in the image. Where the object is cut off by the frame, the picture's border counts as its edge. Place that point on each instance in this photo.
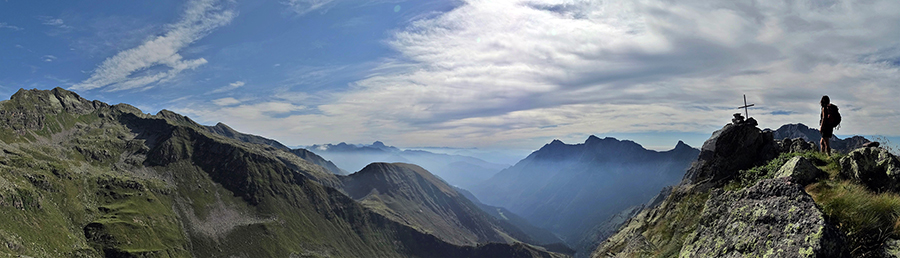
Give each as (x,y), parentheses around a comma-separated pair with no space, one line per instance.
(500,70)
(518,73)
(56,22)
(226,101)
(231,86)
(4,25)
(158,60)
(48,58)
(301,7)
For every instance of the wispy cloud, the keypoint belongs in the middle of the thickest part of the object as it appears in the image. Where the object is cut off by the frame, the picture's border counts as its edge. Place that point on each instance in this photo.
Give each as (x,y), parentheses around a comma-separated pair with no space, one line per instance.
(302,7)
(226,101)
(500,70)
(48,58)
(231,86)
(55,22)
(158,60)
(4,25)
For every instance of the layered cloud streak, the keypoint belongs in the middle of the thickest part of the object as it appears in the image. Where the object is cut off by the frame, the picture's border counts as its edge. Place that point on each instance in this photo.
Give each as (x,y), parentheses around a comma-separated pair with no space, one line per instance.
(492,68)
(158,59)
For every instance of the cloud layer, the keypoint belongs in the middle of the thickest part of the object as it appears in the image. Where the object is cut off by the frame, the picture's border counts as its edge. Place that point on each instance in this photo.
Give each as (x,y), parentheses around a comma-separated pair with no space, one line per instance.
(505,70)
(516,73)
(158,60)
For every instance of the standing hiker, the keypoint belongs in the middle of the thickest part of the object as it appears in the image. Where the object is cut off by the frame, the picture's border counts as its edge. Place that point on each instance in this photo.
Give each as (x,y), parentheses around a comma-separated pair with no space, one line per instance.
(828,120)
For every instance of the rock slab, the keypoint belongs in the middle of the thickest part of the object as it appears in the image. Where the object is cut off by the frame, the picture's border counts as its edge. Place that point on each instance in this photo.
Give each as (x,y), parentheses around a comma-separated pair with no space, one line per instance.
(800,170)
(774,218)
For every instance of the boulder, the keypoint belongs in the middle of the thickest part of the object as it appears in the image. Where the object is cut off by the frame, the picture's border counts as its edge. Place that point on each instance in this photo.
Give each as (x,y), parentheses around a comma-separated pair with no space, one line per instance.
(795,145)
(774,218)
(733,148)
(876,168)
(800,171)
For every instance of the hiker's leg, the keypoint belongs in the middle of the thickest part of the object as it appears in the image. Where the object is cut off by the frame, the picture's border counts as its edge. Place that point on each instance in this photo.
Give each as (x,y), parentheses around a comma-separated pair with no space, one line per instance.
(822,145)
(827,146)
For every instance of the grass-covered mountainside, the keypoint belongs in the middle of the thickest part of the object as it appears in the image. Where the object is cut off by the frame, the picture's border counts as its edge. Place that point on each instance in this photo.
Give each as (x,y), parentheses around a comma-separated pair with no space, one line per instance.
(411,195)
(748,195)
(225,130)
(82,178)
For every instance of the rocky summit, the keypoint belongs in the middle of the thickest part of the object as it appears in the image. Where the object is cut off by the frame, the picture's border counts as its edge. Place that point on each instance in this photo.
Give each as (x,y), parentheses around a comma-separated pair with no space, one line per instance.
(730,149)
(748,195)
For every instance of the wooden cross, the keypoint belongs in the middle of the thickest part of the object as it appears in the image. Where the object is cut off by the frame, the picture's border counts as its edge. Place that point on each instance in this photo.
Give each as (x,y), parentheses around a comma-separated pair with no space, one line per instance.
(747,113)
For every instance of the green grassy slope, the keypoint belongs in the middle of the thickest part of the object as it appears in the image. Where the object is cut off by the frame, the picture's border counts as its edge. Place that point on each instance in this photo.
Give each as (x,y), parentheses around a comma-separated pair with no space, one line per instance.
(86,179)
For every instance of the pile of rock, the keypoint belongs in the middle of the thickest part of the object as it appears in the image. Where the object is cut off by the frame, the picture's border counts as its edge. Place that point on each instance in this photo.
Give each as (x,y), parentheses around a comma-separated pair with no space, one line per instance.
(795,145)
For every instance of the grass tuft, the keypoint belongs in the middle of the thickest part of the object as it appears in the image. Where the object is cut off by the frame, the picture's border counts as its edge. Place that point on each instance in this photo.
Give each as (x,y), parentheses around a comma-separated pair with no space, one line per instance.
(867,218)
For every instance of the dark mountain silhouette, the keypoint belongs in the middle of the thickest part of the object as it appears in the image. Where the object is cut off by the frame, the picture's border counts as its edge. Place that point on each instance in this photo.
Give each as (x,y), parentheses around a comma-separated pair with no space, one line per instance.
(792,131)
(569,189)
(458,170)
(82,178)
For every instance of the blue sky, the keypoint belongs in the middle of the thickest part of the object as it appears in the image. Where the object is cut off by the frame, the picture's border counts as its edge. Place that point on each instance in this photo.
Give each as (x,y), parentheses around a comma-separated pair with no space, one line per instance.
(469,73)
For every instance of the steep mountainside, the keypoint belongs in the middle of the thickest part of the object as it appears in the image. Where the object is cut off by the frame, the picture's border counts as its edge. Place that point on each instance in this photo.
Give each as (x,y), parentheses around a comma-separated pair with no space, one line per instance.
(541,236)
(82,178)
(462,171)
(569,189)
(411,195)
(225,130)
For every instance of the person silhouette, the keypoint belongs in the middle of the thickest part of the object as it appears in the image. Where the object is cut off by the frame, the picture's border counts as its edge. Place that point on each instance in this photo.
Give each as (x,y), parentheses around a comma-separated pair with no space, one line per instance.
(825,125)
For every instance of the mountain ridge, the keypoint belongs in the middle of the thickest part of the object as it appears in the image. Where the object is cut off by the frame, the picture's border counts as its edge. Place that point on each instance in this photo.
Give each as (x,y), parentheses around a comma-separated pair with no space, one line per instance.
(411,195)
(101,180)
(570,188)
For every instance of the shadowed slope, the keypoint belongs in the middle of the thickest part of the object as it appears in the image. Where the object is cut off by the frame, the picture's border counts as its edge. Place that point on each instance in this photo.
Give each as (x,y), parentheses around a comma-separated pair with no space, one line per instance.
(86,179)
(409,194)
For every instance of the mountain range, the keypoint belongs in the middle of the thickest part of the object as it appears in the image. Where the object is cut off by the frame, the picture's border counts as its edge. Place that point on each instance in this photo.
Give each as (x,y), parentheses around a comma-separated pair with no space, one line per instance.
(457,170)
(569,189)
(83,178)
(793,131)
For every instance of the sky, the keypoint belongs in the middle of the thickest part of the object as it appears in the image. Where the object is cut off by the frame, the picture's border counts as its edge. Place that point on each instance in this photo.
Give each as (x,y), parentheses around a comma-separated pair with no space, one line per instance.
(489,74)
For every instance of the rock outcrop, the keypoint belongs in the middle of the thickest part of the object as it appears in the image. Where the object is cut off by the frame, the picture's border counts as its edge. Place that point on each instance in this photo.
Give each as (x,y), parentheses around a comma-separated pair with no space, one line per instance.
(728,150)
(795,145)
(800,171)
(772,218)
(876,168)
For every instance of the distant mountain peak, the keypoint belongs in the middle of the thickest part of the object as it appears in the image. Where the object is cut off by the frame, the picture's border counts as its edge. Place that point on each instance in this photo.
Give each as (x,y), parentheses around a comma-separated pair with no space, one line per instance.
(682,145)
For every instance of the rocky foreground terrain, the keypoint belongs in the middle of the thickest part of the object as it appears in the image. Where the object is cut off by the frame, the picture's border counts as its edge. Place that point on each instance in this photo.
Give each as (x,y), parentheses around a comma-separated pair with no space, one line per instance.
(749,195)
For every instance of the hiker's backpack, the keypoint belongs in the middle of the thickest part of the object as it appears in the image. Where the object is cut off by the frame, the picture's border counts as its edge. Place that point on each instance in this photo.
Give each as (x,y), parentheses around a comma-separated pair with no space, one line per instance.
(833,115)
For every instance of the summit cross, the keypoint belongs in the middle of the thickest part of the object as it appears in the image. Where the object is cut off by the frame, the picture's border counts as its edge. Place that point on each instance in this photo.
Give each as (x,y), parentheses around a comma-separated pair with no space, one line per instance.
(745,107)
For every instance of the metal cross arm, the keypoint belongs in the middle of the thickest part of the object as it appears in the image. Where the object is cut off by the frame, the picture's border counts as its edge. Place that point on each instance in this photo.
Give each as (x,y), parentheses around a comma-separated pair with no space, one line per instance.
(745,107)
